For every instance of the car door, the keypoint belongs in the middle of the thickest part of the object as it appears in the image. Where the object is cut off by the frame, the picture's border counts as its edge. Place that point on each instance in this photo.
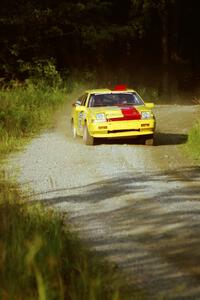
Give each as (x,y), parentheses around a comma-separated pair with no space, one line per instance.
(80,112)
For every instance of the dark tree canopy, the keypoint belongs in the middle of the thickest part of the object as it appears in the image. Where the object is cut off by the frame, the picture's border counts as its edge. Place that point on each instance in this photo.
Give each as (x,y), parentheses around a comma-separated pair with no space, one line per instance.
(145,40)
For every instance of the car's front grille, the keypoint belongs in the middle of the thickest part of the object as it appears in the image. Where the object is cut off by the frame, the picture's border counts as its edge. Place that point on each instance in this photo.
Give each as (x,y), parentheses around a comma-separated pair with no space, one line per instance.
(122,130)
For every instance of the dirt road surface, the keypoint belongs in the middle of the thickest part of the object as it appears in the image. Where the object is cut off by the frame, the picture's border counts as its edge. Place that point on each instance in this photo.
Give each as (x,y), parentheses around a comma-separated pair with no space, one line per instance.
(139,206)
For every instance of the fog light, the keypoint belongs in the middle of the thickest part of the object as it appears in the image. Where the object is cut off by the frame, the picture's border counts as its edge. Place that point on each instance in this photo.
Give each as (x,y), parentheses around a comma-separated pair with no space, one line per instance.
(102,127)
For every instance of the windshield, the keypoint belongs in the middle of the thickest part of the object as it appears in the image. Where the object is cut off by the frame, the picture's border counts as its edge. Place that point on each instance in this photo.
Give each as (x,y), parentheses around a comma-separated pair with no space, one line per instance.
(115,99)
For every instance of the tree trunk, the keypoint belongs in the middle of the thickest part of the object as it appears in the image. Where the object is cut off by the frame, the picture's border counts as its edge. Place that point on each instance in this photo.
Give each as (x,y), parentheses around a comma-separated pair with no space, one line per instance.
(165,54)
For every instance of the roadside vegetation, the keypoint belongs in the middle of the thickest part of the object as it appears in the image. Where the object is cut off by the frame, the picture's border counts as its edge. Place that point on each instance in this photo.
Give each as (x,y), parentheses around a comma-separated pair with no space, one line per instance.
(26,108)
(193,145)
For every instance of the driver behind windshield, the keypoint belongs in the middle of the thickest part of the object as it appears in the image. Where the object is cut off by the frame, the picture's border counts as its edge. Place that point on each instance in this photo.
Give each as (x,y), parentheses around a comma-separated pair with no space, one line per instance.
(121,99)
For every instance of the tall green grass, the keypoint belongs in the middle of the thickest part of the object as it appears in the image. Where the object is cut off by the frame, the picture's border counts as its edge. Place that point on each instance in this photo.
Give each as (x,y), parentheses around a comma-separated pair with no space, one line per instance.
(24,110)
(193,145)
(41,259)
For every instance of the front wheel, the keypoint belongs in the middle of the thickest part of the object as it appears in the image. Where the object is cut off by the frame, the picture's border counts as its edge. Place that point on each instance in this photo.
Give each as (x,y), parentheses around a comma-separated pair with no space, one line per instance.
(87,138)
(73,130)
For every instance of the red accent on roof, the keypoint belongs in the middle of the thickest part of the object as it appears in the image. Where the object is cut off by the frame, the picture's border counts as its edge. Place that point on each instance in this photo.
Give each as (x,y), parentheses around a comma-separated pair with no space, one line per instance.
(129,113)
(120,87)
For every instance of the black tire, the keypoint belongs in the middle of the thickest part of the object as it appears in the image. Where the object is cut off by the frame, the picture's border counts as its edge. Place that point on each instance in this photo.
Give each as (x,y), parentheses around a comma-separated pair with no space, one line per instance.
(87,138)
(73,130)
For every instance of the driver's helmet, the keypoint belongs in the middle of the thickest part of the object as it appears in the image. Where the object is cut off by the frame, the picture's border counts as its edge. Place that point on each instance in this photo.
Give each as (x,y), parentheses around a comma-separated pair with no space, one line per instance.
(122,99)
(98,100)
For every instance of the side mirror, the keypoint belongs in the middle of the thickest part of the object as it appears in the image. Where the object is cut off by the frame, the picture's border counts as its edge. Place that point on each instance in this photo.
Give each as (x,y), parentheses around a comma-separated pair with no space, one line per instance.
(77,103)
(149,105)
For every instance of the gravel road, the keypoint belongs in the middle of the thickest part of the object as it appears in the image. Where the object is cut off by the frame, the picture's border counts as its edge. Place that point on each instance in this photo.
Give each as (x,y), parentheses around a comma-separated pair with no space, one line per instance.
(137,205)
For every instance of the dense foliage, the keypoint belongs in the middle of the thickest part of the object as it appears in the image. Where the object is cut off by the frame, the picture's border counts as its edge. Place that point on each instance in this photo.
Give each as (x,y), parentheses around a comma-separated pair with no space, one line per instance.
(141,41)
(24,110)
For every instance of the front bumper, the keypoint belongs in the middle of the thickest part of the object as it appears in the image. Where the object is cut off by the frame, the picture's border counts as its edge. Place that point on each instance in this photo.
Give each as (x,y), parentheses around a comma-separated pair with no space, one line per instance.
(114,129)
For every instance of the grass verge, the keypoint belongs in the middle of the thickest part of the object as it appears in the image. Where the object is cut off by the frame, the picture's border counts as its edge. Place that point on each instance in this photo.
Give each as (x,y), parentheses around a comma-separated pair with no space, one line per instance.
(24,110)
(193,144)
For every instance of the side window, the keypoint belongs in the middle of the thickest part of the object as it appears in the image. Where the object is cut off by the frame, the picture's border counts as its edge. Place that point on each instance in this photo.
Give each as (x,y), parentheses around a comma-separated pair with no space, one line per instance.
(83,99)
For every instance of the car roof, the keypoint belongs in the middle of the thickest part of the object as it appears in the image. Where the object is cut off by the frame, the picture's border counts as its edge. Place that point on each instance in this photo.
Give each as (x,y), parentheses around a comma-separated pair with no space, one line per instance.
(103,91)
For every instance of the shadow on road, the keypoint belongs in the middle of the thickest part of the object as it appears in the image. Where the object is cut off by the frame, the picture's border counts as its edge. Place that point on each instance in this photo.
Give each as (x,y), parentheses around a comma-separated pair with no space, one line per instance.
(128,183)
(159,140)
(170,138)
(148,224)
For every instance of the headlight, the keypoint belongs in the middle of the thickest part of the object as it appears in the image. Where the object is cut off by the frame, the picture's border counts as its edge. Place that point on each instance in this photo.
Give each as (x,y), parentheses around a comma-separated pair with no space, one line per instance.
(146,115)
(99,118)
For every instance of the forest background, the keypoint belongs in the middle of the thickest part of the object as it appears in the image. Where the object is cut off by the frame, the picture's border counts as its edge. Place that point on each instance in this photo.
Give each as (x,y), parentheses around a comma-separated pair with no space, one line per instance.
(140,42)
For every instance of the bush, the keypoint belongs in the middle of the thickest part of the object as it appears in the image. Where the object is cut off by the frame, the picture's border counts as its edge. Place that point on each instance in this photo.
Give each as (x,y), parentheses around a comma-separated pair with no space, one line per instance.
(193,145)
(25,109)
(42,72)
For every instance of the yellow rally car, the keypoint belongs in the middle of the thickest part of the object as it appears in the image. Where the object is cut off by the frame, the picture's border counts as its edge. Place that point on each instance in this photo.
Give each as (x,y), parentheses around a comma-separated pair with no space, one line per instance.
(118,113)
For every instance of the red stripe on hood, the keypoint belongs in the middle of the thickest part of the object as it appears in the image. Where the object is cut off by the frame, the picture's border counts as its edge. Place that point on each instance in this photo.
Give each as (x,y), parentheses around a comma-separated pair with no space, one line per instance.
(129,113)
